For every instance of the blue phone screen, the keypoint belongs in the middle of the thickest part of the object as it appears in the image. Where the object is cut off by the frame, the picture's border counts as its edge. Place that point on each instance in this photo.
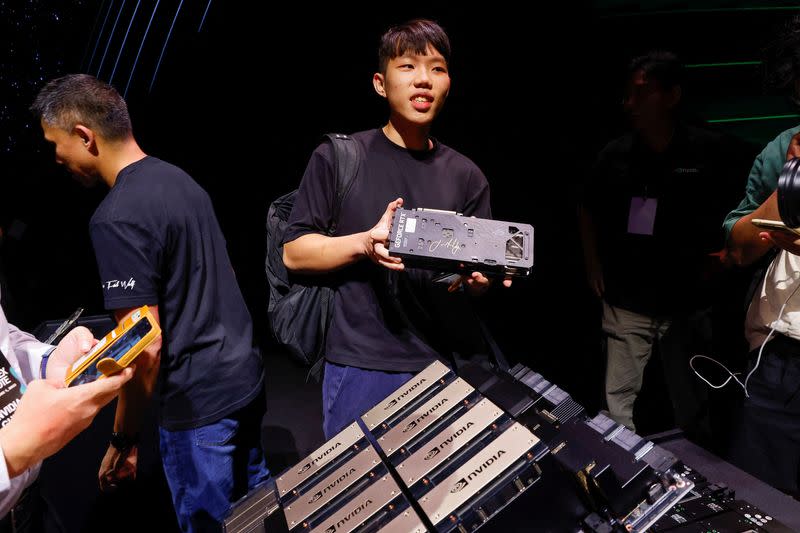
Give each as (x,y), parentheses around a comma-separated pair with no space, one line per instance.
(117,349)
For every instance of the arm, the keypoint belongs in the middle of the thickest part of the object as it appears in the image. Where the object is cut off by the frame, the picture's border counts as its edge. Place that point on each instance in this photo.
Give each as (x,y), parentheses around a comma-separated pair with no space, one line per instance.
(745,245)
(307,250)
(126,249)
(49,416)
(313,253)
(593,197)
(30,434)
(591,259)
(136,395)
(120,464)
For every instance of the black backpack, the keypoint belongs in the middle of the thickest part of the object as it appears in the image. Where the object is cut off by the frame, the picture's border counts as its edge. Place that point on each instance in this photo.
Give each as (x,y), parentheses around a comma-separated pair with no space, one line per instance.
(300,306)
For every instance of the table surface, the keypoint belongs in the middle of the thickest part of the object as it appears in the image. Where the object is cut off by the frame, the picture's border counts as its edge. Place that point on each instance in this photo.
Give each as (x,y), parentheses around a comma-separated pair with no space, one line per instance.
(770,500)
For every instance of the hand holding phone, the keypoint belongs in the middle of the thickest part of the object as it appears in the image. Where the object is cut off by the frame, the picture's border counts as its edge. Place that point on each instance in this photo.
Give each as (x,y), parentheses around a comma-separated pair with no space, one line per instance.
(775,225)
(116,350)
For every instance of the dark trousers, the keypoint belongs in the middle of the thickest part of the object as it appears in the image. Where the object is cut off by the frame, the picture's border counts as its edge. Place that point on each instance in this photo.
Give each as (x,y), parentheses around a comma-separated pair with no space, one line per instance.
(348,392)
(630,340)
(31,514)
(688,335)
(767,437)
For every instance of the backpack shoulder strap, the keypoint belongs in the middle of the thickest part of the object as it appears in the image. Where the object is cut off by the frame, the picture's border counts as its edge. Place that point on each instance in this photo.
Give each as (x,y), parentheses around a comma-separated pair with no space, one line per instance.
(498,355)
(347,158)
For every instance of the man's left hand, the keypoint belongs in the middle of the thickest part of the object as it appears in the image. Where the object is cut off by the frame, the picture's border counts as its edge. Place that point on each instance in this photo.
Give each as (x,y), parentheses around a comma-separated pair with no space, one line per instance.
(118,467)
(794,147)
(74,345)
(476,283)
(783,240)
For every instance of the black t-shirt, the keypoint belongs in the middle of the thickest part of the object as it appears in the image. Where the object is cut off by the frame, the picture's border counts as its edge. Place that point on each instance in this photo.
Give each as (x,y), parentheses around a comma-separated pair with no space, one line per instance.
(384,321)
(694,183)
(158,242)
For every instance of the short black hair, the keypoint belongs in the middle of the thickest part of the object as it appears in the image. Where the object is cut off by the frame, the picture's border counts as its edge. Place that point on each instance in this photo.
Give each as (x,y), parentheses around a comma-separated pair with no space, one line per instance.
(414,35)
(81,98)
(661,66)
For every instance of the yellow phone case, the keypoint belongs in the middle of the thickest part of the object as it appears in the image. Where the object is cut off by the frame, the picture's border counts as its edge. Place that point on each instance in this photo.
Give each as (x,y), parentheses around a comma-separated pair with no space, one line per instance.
(98,355)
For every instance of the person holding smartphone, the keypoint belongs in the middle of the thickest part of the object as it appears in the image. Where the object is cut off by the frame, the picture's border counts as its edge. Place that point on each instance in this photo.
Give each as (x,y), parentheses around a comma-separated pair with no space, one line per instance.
(47,416)
(767,437)
(776,225)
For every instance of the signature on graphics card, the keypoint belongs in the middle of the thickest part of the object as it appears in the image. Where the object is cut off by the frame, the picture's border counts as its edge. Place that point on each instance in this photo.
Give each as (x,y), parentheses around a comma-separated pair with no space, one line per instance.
(452,244)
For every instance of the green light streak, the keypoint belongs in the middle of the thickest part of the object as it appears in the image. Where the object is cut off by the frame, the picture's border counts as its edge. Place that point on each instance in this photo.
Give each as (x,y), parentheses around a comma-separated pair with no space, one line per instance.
(728,64)
(750,119)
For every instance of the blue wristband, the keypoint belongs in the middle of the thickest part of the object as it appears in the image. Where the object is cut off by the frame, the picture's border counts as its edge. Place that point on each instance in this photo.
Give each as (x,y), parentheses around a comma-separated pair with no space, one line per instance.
(43,368)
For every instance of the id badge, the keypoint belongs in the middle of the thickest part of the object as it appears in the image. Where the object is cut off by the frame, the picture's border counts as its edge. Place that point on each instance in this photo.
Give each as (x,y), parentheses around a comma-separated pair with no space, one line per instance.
(642,217)
(11,389)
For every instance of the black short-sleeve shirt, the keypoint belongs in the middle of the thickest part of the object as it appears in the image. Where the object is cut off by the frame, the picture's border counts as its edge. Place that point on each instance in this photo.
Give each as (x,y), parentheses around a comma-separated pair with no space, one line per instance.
(158,242)
(382,321)
(694,182)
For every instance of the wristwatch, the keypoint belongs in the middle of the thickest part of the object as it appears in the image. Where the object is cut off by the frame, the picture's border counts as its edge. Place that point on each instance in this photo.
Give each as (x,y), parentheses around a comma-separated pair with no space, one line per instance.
(122,441)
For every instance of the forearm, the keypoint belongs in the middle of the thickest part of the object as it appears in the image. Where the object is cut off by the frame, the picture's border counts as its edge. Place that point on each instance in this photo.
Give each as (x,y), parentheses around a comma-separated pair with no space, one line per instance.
(585,225)
(314,253)
(18,457)
(744,244)
(136,395)
(11,486)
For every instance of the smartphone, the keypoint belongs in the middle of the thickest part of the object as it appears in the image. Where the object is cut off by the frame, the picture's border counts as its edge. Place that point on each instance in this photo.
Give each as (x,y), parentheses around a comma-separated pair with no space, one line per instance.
(772,225)
(116,350)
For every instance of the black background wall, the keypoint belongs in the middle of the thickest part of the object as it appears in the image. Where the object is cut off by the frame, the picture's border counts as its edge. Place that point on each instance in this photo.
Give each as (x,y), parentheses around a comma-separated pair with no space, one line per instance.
(239,93)
(241,103)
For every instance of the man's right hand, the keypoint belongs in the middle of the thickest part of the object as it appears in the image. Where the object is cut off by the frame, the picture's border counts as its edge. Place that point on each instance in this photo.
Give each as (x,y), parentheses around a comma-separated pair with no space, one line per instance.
(50,415)
(375,239)
(794,147)
(746,243)
(783,240)
(73,346)
(594,277)
(118,466)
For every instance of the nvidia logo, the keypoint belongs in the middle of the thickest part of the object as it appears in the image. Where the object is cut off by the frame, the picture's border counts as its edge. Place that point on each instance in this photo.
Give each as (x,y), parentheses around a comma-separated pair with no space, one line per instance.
(459,486)
(431,454)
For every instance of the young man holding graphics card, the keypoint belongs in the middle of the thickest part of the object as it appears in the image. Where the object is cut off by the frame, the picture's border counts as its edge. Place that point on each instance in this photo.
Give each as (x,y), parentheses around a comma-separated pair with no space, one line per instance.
(378,337)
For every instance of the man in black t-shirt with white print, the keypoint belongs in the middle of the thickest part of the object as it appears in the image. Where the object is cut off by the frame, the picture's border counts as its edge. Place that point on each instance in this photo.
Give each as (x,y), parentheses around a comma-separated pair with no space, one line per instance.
(158,243)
